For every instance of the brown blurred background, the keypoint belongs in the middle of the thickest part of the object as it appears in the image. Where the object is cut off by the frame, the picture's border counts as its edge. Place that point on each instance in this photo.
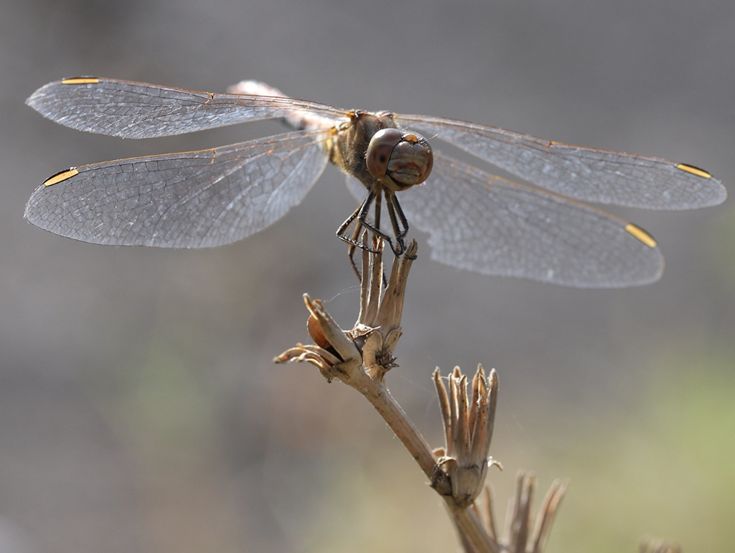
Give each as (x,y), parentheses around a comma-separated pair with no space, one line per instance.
(139,407)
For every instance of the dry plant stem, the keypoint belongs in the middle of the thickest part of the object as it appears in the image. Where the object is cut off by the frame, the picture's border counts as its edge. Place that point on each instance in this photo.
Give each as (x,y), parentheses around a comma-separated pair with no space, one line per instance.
(360,357)
(473,536)
(468,524)
(395,417)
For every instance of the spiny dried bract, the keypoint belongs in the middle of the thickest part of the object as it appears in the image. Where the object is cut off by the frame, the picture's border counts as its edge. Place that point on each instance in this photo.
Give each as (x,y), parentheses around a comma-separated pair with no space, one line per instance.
(522,534)
(468,429)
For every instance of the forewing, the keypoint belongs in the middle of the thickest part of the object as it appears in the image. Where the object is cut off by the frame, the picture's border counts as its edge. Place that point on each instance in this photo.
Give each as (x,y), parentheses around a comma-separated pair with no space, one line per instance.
(182,200)
(140,110)
(584,173)
(493,226)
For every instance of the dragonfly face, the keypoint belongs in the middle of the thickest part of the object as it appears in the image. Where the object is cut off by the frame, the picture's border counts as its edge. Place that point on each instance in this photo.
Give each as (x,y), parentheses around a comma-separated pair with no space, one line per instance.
(541,230)
(402,159)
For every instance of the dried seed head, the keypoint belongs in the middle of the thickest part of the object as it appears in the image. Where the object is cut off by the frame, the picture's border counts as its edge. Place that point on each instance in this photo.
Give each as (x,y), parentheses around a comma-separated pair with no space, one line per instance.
(523,534)
(468,427)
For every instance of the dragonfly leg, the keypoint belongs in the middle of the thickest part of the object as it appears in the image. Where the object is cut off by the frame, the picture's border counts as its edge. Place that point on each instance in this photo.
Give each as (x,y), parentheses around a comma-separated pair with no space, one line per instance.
(362,208)
(359,217)
(401,216)
(375,227)
(397,218)
(351,249)
(378,211)
(353,241)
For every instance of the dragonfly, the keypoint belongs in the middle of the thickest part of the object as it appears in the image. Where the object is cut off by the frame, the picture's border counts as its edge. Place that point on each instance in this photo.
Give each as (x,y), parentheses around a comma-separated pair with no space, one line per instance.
(541,228)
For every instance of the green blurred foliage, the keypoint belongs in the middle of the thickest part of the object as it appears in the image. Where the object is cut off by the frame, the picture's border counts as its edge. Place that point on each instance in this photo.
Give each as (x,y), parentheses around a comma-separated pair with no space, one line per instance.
(665,467)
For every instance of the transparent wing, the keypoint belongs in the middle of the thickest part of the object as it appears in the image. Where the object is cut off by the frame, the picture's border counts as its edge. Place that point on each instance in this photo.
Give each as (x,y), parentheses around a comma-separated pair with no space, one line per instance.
(181,200)
(139,110)
(584,173)
(486,224)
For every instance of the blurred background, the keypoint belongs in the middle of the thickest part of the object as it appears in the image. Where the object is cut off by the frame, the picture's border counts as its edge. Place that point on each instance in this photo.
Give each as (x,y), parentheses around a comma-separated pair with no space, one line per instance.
(139,406)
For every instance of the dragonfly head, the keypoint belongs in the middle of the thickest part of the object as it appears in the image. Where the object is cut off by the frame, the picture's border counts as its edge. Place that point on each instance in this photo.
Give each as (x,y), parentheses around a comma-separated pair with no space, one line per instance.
(399,159)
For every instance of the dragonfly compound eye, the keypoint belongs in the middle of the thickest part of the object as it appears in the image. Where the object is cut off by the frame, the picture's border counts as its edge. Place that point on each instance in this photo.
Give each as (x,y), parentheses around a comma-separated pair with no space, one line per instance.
(404,158)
